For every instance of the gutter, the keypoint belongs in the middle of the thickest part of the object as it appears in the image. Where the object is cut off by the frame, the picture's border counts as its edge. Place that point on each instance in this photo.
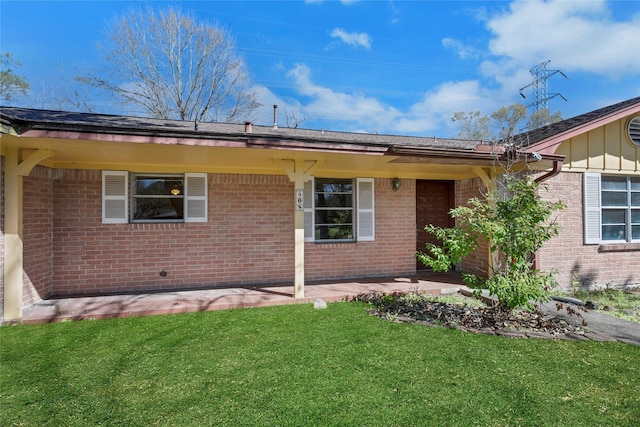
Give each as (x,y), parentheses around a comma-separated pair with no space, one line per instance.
(442,153)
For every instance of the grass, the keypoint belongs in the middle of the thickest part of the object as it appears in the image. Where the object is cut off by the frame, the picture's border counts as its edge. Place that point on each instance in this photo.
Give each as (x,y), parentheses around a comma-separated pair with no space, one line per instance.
(292,365)
(615,302)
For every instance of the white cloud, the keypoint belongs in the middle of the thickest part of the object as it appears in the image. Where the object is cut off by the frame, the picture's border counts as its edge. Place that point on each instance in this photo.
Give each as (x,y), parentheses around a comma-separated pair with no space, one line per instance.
(463,51)
(437,106)
(352,39)
(356,110)
(575,36)
(394,17)
(431,114)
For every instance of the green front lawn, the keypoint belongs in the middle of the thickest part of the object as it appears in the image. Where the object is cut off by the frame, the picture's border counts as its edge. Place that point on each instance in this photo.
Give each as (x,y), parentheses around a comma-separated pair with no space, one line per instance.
(294,366)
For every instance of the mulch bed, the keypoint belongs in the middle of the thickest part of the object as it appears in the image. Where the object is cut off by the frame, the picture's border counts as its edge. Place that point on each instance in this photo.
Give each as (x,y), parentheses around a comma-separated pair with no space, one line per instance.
(485,319)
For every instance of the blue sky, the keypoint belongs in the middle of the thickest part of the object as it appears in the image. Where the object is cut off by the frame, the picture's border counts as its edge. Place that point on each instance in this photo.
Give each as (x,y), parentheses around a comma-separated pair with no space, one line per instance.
(399,67)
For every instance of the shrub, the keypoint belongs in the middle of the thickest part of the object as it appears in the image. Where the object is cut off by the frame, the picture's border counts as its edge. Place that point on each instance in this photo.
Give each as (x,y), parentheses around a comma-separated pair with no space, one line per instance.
(516,221)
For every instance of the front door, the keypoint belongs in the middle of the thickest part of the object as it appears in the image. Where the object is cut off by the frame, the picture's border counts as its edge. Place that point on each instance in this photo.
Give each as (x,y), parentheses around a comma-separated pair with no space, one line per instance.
(434,199)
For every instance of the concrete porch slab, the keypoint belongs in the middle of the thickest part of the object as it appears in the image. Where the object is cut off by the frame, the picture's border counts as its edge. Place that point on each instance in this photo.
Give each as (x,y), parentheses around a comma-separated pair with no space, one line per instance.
(221,298)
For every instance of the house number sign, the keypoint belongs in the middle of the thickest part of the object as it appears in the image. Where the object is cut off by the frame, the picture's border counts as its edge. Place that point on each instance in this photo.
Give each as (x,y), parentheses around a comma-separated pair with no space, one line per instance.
(299,200)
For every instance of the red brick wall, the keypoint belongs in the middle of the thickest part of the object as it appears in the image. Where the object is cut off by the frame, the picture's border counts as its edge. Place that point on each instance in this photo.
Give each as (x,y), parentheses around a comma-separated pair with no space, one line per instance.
(37,235)
(249,239)
(392,252)
(575,262)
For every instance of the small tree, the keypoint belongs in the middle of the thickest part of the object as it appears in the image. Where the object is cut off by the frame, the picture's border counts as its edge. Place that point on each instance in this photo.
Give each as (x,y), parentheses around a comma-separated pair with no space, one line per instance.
(472,125)
(543,117)
(11,84)
(502,123)
(517,222)
(507,119)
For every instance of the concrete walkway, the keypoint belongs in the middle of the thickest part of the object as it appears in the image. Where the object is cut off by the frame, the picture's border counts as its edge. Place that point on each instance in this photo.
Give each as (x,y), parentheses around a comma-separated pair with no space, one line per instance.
(220,298)
(614,328)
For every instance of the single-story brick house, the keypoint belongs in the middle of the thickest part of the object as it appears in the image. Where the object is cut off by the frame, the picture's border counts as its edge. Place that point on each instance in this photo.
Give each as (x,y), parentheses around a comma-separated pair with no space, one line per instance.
(97,204)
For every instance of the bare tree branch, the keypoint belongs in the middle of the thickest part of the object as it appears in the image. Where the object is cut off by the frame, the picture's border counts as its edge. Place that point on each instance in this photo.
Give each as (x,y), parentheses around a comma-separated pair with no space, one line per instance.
(175,67)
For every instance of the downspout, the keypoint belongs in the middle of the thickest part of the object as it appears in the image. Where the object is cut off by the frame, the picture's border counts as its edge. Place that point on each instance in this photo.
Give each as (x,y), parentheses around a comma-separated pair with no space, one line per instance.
(557,167)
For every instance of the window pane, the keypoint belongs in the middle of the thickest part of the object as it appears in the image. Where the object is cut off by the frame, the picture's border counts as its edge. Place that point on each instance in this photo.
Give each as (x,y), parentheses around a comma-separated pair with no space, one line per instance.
(635,232)
(324,185)
(324,200)
(613,232)
(635,216)
(158,208)
(334,209)
(614,183)
(613,216)
(610,198)
(330,216)
(334,232)
(158,186)
(635,199)
(635,184)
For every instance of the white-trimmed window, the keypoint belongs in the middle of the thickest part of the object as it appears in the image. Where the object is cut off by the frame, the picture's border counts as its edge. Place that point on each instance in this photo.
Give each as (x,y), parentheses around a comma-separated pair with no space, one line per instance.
(611,208)
(144,197)
(339,210)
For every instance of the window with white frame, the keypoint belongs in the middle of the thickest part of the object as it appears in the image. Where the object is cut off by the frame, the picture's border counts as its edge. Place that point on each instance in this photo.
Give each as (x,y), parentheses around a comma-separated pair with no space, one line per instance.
(612,208)
(142,197)
(156,197)
(338,209)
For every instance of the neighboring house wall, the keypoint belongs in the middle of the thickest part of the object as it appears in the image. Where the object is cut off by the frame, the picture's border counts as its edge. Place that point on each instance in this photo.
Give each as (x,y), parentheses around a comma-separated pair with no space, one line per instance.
(575,263)
(606,150)
(248,238)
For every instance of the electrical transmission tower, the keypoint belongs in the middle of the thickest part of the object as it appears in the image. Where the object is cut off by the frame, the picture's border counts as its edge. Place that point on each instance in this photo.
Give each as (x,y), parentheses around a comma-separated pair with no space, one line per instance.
(540,85)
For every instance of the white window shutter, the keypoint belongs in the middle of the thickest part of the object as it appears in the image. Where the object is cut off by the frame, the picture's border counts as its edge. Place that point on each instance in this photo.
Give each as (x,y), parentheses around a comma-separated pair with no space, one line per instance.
(366,214)
(309,217)
(115,197)
(195,198)
(592,212)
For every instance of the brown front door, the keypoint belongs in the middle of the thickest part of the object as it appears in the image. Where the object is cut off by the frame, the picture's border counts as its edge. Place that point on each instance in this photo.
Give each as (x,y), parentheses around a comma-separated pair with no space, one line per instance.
(434,199)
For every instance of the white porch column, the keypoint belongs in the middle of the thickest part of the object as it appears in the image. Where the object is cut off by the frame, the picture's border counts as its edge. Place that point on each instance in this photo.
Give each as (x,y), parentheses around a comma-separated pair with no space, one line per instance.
(13,253)
(14,170)
(298,174)
(298,285)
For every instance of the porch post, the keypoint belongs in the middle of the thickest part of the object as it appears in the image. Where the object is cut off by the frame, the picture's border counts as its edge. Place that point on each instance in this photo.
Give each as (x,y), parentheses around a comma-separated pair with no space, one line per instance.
(298,175)
(13,250)
(298,285)
(14,171)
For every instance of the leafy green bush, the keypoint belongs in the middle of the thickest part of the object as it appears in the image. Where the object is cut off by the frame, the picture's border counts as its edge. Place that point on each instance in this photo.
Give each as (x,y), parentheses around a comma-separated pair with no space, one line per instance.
(516,221)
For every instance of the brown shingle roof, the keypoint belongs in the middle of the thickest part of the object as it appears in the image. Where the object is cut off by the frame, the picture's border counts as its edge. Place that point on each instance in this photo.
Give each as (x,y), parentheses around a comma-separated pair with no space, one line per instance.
(23,119)
(540,134)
